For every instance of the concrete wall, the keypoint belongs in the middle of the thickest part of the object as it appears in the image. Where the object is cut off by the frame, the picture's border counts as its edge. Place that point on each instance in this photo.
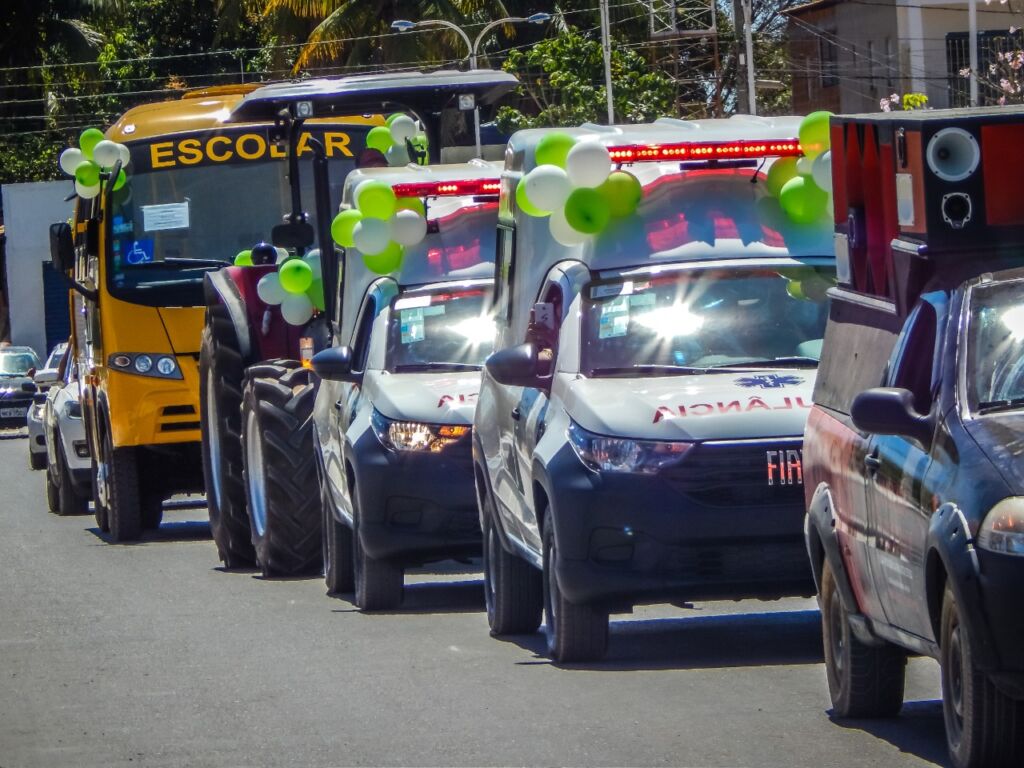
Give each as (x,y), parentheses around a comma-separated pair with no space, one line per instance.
(29,210)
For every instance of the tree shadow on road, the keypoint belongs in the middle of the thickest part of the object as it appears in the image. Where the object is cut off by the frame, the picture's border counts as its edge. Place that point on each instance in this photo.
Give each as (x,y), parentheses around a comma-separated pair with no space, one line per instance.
(700,642)
(918,730)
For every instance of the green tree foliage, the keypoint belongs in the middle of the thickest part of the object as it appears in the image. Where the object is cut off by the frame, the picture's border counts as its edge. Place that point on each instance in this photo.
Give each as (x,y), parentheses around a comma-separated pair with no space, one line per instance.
(563,84)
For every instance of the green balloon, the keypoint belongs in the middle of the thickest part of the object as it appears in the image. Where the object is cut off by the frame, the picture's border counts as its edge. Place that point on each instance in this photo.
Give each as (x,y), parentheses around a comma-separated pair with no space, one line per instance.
(523,202)
(392,118)
(88,174)
(586,210)
(553,148)
(419,141)
(385,262)
(88,140)
(121,180)
(296,276)
(796,290)
(780,172)
(244,258)
(411,204)
(814,133)
(342,226)
(802,200)
(379,138)
(316,294)
(623,193)
(376,199)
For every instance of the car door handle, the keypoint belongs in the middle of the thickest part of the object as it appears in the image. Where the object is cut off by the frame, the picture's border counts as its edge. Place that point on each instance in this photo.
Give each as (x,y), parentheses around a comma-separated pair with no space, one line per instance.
(516,414)
(339,404)
(872,462)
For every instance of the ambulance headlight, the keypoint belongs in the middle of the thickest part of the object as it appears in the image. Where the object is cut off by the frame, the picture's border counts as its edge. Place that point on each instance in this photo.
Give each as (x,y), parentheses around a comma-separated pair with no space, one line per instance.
(601,453)
(415,436)
(1002,530)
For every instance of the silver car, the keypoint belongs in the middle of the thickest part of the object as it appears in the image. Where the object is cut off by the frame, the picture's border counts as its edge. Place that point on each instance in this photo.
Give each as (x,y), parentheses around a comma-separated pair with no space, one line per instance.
(44,378)
(68,466)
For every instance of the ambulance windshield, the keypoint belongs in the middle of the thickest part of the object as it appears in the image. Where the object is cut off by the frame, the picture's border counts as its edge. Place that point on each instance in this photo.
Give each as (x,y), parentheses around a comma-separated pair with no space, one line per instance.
(691,320)
(442,330)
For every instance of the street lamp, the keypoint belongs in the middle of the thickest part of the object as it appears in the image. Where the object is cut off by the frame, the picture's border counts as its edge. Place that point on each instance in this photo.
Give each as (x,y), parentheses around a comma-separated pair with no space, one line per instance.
(404,25)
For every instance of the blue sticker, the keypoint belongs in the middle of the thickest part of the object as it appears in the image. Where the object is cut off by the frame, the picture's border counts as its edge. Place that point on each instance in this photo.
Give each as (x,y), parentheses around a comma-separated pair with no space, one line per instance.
(141,252)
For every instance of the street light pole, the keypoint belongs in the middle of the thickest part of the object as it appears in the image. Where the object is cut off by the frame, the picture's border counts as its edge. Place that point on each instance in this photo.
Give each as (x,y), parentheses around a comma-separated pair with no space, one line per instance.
(972,48)
(606,48)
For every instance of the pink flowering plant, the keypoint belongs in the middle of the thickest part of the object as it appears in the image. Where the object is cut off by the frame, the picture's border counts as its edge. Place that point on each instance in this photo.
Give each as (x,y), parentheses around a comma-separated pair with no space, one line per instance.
(906,102)
(1005,75)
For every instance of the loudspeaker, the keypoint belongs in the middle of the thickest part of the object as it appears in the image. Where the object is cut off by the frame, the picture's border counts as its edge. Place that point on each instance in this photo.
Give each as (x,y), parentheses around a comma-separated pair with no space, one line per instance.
(953,154)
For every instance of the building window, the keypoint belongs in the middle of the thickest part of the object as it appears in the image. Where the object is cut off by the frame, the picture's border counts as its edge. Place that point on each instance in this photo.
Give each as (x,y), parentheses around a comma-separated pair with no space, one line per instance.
(828,55)
(958,58)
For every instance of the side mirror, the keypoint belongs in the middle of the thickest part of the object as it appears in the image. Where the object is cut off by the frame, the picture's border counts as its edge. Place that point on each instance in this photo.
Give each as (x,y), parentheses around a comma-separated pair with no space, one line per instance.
(46,377)
(890,411)
(515,367)
(293,234)
(335,364)
(30,387)
(39,398)
(62,247)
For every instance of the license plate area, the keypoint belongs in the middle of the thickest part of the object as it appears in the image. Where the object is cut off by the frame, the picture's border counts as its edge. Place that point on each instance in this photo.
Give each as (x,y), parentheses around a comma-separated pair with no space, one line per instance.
(12,413)
(785,466)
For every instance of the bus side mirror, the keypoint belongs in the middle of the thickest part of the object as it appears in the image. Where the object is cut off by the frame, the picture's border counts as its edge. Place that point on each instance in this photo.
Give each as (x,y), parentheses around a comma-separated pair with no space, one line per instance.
(515,367)
(62,247)
(335,364)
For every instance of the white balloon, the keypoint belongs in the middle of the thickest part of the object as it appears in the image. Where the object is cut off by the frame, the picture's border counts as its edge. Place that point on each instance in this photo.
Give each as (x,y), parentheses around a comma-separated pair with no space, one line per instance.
(408,227)
(282,254)
(70,159)
(313,259)
(296,308)
(126,155)
(270,290)
(86,193)
(106,153)
(588,164)
(371,236)
(547,187)
(821,171)
(403,128)
(803,166)
(397,154)
(563,232)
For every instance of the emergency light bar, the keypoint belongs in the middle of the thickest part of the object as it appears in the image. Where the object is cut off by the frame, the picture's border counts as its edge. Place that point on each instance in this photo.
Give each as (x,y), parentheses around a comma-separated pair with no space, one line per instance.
(455,188)
(705,150)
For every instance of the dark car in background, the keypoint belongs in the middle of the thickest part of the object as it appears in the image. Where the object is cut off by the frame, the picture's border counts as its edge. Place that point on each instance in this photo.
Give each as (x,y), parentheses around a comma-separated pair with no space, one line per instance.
(17,366)
(915,520)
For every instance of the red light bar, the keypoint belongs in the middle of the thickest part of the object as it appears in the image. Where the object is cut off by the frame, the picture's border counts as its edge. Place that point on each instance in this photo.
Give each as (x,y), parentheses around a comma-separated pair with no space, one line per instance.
(454,188)
(705,150)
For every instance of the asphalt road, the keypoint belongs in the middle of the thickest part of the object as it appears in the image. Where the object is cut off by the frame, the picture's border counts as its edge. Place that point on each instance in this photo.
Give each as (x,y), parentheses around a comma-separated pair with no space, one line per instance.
(151,655)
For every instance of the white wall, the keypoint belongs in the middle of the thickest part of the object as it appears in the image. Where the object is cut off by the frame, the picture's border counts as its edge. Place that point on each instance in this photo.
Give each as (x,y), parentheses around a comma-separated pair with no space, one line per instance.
(29,210)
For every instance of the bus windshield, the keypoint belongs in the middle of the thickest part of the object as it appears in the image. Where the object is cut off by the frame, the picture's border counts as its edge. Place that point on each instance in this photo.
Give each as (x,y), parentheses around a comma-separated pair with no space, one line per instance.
(169,226)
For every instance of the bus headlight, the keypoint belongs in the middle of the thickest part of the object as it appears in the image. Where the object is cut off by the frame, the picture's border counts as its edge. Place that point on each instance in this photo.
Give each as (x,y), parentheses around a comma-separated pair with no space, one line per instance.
(159,365)
(1002,530)
(616,454)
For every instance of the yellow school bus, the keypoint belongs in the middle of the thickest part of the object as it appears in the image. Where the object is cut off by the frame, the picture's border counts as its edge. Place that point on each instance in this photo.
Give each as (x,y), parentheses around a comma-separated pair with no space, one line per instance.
(198,192)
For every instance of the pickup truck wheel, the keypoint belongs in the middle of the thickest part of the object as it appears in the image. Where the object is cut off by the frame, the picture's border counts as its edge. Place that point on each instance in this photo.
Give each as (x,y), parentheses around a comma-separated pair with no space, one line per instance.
(220,404)
(282,490)
(863,680)
(37,461)
(69,502)
(575,632)
(121,474)
(513,589)
(339,571)
(984,726)
(378,583)
(52,490)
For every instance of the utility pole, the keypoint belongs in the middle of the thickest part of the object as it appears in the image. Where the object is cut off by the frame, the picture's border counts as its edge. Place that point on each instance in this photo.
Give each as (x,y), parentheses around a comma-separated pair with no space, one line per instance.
(606,47)
(746,95)
(972,48)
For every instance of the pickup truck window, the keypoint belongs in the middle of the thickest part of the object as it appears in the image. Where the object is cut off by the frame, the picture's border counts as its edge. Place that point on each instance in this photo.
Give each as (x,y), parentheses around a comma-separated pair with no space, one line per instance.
(995,348)
(705,318)
(441,330)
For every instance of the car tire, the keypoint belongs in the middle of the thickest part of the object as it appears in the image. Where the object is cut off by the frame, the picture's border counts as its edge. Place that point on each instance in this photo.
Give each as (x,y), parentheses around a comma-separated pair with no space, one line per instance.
(863,680)
(52,490)
(221,374)
(984,726)
(339,570)
(99,509)
(379,584)
(37,461)
(282,490)
(70,501)
(123,509)
(513,589)
(575,633)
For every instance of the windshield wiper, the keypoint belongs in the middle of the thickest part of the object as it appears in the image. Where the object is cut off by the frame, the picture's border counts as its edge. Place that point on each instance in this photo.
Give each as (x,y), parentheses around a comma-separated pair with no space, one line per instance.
(176,262)
(774,362)
(428,367)
(667,370)
(992,406)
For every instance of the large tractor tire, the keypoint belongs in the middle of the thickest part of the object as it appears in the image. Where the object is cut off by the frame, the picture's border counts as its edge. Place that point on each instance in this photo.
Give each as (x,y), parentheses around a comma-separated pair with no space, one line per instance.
(221,374)
(282,489)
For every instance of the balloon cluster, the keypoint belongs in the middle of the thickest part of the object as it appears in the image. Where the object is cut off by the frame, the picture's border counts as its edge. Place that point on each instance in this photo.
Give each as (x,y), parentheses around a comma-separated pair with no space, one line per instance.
(389,139)
(94,155)
(380,225)
(803,186)
(574,184)
(297,286)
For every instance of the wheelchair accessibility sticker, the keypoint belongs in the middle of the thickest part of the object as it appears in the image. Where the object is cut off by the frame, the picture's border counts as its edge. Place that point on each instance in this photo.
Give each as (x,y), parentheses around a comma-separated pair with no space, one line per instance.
(141,252)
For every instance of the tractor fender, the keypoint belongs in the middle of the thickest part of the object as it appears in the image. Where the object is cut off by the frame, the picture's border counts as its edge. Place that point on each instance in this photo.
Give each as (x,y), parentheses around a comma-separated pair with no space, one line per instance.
(220,288)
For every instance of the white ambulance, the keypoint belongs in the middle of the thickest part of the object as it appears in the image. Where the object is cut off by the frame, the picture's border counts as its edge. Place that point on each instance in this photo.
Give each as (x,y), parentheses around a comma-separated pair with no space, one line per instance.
(638,433)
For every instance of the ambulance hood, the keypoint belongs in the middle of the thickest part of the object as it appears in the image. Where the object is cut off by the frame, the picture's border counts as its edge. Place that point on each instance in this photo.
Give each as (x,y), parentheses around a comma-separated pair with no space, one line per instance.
(432,398)
(733,405)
